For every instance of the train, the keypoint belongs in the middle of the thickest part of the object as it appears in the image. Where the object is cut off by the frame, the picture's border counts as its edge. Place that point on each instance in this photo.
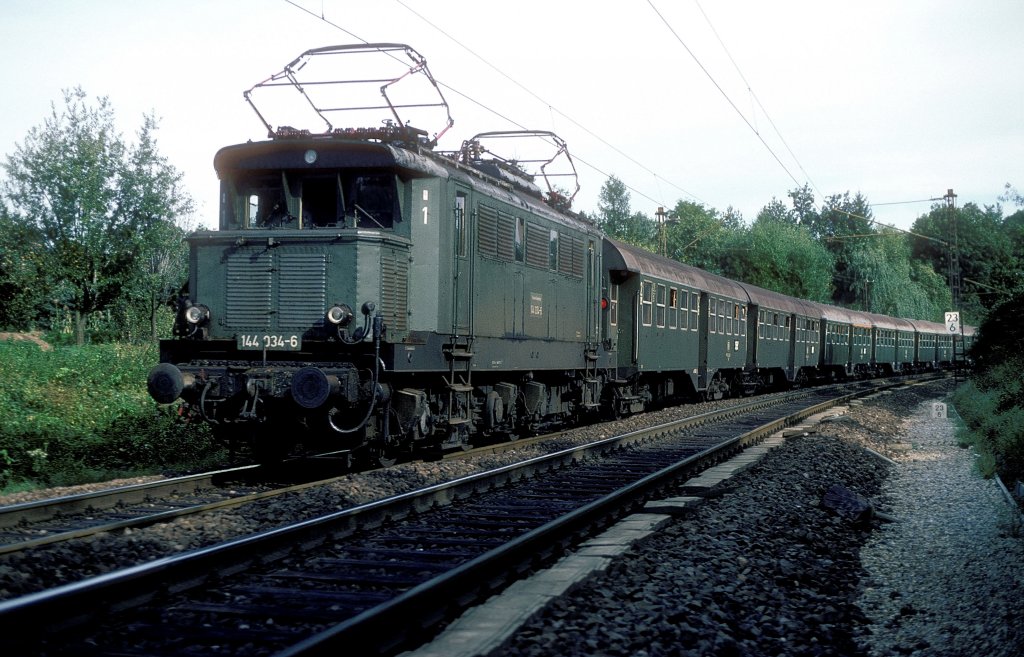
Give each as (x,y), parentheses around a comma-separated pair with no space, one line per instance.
(369,294)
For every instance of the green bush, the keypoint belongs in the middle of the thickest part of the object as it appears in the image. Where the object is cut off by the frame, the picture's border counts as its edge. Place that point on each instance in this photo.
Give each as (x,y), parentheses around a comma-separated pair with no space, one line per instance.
(80,414)
(992,408)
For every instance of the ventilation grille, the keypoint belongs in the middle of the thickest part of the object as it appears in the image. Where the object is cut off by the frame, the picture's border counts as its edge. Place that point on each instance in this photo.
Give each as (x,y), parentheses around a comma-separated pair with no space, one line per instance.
(487,231)
(275,290)
(570,255)
(302,290)
(537,246)
(394,289)
(249,290)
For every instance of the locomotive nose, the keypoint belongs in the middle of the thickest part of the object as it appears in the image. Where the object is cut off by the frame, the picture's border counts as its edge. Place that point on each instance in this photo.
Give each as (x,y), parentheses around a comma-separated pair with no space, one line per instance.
(166,383)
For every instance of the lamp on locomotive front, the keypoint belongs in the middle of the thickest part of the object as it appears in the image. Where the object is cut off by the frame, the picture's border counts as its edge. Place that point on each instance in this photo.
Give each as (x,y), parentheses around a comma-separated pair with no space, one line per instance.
(197,315)
(340,315)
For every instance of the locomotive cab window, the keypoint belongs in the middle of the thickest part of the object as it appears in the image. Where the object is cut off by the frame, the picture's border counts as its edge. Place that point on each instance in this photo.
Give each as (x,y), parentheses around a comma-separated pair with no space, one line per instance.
(264,199)
(321,198)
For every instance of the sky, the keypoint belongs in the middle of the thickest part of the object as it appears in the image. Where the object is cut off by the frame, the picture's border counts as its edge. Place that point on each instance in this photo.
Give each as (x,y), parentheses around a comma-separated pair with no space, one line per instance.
(728,103)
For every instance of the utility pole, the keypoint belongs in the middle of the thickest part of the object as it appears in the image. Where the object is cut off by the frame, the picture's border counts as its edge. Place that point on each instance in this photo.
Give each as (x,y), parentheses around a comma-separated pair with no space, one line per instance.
(954,250)
(954,280)
(661,227)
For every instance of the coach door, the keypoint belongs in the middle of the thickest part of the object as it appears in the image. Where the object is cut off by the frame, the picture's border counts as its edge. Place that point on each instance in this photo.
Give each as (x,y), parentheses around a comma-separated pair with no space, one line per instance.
(702,342)
(462,266)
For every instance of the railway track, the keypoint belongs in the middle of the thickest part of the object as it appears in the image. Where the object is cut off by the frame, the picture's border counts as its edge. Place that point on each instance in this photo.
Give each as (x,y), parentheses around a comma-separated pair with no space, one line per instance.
(370,575)
(45,522)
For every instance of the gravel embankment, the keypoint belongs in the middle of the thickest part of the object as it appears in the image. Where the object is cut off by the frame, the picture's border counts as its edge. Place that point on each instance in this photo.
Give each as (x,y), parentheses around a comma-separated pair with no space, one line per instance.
(760,570)
(764,570)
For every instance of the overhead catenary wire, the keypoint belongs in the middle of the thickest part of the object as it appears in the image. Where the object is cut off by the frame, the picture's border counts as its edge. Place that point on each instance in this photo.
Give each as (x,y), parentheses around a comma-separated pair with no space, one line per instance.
(757,100)
(550,107)
(512,121)
(777,131)
(592,166)
(729,100)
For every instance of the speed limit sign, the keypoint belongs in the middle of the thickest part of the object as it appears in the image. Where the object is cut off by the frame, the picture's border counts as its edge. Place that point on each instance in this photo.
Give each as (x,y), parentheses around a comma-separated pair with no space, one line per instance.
(953,322)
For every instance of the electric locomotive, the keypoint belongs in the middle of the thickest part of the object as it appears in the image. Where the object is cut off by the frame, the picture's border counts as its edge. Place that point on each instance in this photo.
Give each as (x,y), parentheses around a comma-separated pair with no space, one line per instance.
(366,293)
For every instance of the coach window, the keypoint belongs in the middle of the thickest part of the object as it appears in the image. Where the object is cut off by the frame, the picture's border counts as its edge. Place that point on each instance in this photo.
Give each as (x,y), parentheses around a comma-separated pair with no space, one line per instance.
(673,306)
(660,301)
(684,307)
(646,302)
(721,316)
(712,311)
(613,305)
(694,310)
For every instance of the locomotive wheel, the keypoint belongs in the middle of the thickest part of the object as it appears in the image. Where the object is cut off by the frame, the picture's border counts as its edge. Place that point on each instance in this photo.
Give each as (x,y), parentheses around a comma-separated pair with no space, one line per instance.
(385,456)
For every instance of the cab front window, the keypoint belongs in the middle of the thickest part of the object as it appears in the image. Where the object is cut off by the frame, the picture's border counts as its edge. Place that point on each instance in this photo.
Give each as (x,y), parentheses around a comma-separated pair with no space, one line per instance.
(263,200)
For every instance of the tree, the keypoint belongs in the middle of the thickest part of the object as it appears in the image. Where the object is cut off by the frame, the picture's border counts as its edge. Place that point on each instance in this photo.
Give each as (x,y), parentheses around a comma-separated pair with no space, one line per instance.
(991,263)
(777,211)
(779,255)
(97,202)
(21,270)
(1012,195)
(804,210)
(617,219)
(152,191)
(884,279)
(698,236)
(845,226)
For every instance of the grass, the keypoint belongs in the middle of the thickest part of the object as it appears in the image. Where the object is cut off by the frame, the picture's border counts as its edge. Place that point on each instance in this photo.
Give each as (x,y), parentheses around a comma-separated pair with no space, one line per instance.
(80,414)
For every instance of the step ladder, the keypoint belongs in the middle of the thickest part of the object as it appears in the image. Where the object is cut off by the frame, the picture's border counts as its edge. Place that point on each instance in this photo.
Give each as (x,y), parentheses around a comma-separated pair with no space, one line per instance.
(459,353)
(591,381)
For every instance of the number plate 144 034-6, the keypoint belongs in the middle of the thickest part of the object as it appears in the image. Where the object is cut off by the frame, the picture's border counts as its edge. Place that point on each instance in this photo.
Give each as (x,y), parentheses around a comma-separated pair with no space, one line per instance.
(269,341)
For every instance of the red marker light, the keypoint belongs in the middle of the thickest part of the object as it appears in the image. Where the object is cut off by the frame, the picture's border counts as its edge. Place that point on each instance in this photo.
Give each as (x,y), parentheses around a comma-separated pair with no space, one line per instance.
(604,303)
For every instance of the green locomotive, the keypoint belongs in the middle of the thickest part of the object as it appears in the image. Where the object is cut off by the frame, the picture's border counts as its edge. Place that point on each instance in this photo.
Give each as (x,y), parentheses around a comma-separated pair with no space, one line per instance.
(367,293)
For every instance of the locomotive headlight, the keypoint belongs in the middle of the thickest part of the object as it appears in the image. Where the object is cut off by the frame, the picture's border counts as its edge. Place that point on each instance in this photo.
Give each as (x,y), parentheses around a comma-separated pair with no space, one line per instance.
(197,314)
(339,315)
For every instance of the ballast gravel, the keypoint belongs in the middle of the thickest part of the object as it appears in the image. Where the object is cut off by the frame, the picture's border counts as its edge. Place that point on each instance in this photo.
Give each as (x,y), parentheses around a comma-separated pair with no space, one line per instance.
(761,569)
(765,570)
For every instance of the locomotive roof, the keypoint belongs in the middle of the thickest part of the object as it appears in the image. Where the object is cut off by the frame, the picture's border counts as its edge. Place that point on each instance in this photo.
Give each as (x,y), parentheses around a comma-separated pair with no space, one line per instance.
(349,150)
(624,257)
(331,152)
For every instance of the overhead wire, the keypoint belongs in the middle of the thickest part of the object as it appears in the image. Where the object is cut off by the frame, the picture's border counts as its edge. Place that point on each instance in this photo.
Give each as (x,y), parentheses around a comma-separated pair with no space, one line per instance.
(729,100)
(550,106)
(583,161)
(778,133)
(512,121)
(757,100)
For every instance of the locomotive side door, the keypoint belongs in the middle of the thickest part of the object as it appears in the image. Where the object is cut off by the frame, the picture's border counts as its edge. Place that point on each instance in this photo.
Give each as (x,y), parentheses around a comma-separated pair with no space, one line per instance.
(462,265)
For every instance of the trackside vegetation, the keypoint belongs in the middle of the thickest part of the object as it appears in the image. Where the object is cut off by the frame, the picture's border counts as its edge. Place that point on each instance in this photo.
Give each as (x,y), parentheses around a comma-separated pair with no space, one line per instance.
(74,414)
(992,402)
